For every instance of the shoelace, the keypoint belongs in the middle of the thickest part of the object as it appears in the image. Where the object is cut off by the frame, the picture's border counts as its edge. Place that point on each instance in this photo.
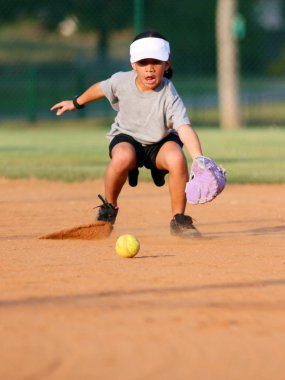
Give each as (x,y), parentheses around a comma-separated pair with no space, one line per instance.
(105,203)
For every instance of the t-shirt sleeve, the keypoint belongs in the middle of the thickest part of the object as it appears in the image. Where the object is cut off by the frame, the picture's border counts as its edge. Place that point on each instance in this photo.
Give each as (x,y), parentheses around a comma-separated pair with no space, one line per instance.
(109,87)
(177,113)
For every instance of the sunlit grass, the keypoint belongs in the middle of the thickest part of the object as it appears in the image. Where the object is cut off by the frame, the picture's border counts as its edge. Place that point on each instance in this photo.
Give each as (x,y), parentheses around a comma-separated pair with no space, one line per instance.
(67,151)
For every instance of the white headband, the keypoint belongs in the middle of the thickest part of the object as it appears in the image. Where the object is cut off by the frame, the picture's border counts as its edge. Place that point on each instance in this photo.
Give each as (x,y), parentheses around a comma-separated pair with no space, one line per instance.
(149,47)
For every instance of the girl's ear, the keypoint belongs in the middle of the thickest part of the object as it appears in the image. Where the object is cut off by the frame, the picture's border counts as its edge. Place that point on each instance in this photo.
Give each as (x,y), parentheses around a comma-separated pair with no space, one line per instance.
(167,65)
(133,66)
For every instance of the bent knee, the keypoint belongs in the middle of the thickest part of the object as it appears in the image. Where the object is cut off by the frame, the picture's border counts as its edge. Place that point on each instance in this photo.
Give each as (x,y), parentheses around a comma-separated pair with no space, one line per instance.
(173,160)
(124,156)
(178,164)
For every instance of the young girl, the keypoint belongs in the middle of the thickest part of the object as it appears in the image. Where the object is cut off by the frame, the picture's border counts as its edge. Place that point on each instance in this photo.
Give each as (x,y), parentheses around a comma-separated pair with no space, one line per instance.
(150,128)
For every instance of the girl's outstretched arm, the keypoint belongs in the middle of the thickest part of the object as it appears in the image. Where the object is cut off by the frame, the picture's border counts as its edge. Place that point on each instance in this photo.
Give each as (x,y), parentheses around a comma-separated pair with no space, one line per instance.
(90,95)
(191,140)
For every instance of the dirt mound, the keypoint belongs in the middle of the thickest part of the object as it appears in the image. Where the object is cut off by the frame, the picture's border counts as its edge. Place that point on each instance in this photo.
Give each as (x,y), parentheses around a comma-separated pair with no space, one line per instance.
(98,230)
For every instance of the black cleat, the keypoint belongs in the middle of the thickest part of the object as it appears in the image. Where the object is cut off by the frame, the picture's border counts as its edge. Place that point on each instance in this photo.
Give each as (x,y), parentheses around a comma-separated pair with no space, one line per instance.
(107,212)
(182,225)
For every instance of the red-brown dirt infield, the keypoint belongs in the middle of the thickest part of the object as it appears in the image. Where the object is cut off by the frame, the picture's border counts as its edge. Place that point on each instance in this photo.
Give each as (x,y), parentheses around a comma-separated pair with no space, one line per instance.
(206,308)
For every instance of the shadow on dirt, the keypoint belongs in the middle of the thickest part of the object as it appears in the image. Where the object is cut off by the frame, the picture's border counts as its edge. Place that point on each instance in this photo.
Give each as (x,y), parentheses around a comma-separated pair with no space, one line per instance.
(119,295)
(252,232)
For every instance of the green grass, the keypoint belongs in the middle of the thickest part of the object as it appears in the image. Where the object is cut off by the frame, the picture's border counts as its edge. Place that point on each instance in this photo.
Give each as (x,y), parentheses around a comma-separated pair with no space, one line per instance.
(68,152)
(250,155)
(270,113)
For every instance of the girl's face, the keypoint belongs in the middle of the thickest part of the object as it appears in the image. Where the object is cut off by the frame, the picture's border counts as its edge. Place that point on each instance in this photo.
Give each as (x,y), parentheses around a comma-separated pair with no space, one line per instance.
(149,73)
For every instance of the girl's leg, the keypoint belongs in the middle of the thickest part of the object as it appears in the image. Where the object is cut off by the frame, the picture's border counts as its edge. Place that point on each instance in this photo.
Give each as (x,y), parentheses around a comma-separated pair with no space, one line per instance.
(123,160)
(171,157)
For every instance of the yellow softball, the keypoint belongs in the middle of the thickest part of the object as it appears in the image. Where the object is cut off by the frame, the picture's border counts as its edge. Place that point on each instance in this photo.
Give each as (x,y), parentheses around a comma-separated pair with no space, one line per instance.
(127,246)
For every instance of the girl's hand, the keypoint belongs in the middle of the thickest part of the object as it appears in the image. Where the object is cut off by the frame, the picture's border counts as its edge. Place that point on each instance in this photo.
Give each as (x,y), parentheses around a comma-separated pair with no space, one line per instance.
(66,105)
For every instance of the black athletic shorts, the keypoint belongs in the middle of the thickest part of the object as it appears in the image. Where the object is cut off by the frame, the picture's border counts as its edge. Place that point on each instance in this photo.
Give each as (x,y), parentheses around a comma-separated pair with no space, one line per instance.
(146,154)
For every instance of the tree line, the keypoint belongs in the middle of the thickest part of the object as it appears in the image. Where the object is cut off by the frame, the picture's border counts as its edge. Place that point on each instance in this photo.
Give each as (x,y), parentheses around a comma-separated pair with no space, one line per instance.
(188,24)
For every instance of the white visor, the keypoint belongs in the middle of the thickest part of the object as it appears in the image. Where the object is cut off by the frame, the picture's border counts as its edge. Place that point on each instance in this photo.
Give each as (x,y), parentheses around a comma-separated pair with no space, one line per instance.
(149,47)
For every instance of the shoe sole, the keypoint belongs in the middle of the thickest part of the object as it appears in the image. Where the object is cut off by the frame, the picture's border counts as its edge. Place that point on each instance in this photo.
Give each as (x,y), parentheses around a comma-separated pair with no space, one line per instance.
(188,233)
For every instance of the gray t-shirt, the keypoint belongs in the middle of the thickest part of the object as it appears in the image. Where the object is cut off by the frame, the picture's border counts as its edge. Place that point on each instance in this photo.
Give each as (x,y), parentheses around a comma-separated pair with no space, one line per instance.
(146,116)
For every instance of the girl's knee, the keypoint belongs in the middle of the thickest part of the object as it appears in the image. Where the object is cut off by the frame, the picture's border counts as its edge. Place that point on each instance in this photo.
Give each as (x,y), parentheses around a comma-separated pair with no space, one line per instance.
(177,161)
(123,158)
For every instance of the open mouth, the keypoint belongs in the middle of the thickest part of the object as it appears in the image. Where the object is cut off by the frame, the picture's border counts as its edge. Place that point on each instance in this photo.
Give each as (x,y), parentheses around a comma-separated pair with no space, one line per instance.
(150,79)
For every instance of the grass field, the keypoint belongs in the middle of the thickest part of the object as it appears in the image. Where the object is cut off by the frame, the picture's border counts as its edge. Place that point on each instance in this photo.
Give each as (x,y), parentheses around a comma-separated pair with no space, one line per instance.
(66,151)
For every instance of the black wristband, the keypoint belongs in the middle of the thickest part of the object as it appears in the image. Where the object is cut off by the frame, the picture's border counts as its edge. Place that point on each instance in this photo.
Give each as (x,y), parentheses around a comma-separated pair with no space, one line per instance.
(76,104)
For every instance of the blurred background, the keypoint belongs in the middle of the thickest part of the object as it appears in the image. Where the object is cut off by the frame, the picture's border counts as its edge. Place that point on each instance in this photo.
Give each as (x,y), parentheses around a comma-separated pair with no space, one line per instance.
(51,50)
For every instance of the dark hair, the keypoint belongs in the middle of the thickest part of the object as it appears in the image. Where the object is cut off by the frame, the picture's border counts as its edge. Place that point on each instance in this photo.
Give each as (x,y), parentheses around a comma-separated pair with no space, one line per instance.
(151,33)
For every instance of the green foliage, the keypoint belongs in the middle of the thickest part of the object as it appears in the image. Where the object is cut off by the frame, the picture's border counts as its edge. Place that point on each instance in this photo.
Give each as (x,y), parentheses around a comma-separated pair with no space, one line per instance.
(98,16)
(188,24)
(92,14)
(68,152)
(278,66)
(190,28)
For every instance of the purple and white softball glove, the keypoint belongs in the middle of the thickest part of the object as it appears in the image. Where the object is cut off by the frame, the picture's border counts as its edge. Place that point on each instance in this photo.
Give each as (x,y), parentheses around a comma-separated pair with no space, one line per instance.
(206,182)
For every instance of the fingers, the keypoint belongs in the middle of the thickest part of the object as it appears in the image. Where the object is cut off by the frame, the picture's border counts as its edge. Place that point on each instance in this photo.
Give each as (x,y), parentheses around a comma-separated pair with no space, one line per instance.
(62,107)
(57,106)
(61,110)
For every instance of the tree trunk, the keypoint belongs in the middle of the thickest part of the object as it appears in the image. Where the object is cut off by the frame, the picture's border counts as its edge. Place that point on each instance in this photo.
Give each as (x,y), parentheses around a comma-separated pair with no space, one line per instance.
(228,65)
